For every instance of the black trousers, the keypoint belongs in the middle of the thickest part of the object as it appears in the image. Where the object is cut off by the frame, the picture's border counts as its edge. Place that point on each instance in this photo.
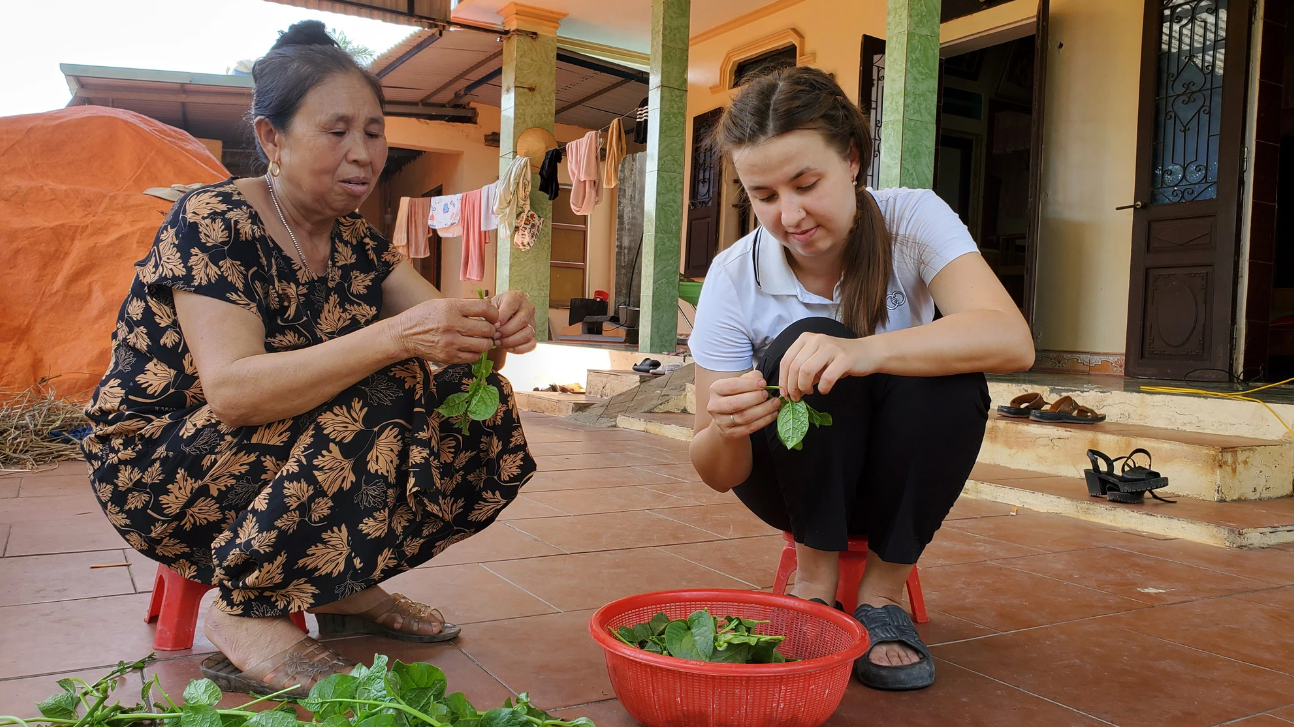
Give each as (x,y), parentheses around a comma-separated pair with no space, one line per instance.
(890,466)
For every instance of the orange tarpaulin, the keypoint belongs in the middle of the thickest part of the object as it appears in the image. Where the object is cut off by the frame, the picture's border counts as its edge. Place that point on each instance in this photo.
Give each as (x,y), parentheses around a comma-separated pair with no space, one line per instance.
(73,221)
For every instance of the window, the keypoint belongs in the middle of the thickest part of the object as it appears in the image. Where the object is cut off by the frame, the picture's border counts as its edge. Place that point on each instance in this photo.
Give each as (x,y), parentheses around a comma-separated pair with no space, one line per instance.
(774,60)
(569,252)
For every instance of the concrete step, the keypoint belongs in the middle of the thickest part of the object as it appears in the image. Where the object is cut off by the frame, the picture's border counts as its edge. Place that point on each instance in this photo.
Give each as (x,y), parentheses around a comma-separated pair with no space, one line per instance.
(1214,467)
(1254,524)
(672,425)
(555,403)
(606,383)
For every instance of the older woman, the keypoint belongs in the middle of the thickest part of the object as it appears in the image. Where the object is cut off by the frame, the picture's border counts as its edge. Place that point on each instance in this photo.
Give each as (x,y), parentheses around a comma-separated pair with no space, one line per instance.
(268,421)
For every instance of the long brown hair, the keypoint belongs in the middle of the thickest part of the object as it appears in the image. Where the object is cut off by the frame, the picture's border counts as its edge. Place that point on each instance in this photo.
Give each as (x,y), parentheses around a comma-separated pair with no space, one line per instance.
(796,98)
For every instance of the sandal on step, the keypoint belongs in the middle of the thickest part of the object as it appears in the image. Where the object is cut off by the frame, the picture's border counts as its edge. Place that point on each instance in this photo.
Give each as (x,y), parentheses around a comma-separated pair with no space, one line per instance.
(304,663)
(1129,485)
(646,366)
(411,614)
(1022,405)
(1068,411)
(890,624)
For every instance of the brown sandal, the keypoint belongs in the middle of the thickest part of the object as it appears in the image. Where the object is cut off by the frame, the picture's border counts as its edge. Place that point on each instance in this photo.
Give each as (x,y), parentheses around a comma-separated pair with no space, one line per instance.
(303,664)
(1068,411)
(411,614)
(1022,405)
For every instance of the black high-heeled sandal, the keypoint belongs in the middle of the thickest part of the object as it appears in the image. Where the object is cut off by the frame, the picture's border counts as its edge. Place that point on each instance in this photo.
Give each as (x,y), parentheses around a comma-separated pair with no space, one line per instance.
(1130,484)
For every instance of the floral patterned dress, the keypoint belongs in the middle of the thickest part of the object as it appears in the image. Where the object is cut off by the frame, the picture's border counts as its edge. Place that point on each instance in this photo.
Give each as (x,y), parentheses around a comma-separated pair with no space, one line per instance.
(303,511)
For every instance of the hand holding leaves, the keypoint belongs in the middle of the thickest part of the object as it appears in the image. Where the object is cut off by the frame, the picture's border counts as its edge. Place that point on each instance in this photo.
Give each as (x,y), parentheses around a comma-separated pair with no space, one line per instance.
(480,401)
(793,421)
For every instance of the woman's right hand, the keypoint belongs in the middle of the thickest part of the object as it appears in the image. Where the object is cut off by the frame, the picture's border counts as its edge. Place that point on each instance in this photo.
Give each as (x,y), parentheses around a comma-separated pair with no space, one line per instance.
(448,330)
(740,406)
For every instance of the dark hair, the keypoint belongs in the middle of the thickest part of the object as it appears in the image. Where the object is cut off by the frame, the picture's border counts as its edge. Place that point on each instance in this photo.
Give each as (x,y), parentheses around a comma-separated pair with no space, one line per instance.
(800,97)
(303,57)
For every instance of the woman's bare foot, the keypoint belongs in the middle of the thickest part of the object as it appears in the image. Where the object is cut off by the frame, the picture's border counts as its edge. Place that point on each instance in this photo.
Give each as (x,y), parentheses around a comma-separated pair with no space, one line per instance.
(408,616)
(891,653)
(263,649)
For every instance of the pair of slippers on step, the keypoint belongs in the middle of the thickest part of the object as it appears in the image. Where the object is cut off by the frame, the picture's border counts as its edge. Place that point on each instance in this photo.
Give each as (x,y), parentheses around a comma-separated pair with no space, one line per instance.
(890,624)
(652,366)
(1063,410)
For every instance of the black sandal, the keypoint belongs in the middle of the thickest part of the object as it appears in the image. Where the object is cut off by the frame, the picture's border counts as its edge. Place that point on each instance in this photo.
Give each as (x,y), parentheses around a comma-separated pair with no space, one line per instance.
(646,366)
(1130,484)
(892,624)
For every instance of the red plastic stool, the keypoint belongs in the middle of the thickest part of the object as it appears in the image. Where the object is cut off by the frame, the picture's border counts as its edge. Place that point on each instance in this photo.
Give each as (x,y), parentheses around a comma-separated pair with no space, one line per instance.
(852,564)
(175,608)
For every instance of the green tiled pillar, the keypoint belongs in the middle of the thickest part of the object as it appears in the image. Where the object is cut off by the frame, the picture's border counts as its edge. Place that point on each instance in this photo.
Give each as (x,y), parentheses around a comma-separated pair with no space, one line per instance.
(529,100)
(911,94)
(666,142)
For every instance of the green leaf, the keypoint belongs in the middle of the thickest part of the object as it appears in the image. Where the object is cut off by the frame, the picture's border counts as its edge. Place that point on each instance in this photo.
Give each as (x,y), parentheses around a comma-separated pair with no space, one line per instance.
(201,715)
(702,624)
(59,706)
(67,685)
(336,720)
(658,623)
(679,642)
(420,684)
(334,686)
(454,405)
(792,423)
(653,648)
(460,707)
(821,418)
(733,654)
(271,718)
(485,405)
(202,692)
(377,720)
(504,718)
(580,722)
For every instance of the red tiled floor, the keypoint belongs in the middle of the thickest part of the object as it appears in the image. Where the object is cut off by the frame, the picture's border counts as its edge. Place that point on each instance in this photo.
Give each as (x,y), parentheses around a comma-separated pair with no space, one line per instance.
(968,507)
(1279,597)
(1131,575)
(681,471)
(1006,599)
(697,493)
(591,580)
(943,628)
(557,463)
(610,531)
(726,521)
(1261,720)
(19,697)
(751,560)
(54,486)
(588,501)
(958,697)
(1268,565)
(62,577)
(552,657)
(468,593)
(604,714)
(951,547)
(526,507)
(1123,677)
(9,488)
(143,571)
(1230,627)
(89,531)
(500,541)
(4,537)
(1285,713)
(1046,532)
(39,509)
(599,477)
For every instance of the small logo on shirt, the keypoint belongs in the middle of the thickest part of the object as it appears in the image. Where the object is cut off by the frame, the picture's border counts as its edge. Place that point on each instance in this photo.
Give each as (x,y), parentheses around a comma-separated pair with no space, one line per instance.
(895,300)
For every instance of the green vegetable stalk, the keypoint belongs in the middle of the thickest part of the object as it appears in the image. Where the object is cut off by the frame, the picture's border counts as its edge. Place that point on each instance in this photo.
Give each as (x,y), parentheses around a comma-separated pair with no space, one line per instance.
(699,637)
(480,401)
(405,695)
(794,418)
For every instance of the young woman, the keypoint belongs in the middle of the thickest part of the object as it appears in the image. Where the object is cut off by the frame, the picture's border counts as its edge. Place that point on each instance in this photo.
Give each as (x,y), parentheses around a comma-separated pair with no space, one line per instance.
(832,299)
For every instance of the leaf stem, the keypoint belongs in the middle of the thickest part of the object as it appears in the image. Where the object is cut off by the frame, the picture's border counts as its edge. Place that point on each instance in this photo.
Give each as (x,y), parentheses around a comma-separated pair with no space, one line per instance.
(258,700)
(401,707)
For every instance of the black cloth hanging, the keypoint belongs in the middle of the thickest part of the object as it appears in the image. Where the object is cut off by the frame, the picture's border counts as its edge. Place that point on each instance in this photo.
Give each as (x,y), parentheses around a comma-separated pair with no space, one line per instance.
(548,183)
(640,122)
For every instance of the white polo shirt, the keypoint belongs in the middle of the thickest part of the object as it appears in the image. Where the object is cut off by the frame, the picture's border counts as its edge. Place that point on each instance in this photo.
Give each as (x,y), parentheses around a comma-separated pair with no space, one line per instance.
(751,294)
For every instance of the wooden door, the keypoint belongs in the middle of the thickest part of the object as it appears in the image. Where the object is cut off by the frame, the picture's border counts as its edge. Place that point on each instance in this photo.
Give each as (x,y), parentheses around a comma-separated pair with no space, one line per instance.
(1181,300)
(1040,46)
(702,233)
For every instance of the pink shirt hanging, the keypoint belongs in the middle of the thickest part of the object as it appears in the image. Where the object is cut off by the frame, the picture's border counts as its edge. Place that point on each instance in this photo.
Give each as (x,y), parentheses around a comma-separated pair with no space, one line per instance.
(473,266)
(586,174)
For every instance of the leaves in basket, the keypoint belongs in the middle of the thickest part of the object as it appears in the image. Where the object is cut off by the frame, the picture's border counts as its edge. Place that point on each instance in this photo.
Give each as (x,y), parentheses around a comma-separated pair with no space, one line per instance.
(700,637)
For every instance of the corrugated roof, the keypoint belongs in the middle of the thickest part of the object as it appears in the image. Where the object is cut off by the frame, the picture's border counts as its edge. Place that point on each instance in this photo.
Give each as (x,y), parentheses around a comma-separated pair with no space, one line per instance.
(408,12)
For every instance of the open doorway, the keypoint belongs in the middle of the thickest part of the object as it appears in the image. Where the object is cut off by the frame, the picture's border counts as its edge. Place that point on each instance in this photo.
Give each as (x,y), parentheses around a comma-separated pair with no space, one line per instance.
(983,165)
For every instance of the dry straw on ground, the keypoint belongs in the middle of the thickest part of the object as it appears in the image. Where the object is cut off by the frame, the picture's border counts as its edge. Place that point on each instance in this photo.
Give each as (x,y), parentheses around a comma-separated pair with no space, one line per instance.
(27,416)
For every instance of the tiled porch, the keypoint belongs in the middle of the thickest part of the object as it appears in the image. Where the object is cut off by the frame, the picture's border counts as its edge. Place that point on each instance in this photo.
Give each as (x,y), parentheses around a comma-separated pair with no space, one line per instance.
(1036,619)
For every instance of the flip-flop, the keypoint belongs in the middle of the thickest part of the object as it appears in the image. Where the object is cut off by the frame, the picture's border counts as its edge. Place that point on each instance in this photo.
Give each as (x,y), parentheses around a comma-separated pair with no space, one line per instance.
(646,366)
(340,624)
(1022,405)
(890,624)
(1067,411)
(304,663)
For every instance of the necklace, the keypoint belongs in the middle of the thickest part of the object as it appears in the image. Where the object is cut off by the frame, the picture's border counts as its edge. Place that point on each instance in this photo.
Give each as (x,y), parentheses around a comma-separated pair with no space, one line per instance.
(284,220)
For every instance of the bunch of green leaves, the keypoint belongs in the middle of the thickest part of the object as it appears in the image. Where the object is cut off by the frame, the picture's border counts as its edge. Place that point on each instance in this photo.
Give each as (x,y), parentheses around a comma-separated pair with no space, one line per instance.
(404,695)
(480,401)
(699,637)
(794,418)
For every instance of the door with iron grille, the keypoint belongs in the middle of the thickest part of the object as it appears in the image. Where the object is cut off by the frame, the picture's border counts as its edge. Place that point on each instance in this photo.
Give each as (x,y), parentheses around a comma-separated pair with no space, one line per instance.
(1185,213)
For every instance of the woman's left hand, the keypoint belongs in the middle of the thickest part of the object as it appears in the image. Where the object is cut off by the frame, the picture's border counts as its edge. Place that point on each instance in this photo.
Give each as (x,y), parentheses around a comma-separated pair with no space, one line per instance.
(516,331)
(815,358)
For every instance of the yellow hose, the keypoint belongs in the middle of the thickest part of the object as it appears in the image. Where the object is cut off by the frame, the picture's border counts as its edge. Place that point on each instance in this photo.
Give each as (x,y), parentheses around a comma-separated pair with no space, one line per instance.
(1233,395)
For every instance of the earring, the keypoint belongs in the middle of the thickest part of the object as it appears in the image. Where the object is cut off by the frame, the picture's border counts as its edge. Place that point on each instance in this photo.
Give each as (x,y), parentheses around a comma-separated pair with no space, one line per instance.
(275,168)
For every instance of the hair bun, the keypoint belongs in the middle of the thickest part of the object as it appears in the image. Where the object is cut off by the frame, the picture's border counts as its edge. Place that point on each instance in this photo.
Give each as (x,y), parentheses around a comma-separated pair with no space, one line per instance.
(306,32)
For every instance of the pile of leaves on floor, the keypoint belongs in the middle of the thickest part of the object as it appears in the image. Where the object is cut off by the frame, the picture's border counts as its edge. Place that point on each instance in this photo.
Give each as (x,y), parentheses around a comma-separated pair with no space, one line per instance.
(404,695)
(37,427)
(699,637)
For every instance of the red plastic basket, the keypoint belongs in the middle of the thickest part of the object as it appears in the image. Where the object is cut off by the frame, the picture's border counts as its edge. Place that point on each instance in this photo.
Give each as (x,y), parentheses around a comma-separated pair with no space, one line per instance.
(662,691)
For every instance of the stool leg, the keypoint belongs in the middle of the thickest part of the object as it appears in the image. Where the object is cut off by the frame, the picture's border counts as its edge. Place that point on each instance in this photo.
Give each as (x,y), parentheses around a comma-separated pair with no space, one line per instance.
(851,574)
(299,618)
(179,616)
(785,567)
(916,599)
(159,595)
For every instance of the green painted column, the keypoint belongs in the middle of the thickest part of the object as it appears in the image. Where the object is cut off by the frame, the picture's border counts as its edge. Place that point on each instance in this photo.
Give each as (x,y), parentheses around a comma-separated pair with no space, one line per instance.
(666,145)
(529,100)
(911,94)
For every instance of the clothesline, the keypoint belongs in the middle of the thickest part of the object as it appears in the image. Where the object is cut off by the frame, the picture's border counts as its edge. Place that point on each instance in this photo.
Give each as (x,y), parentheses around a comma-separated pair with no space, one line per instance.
(604,128)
